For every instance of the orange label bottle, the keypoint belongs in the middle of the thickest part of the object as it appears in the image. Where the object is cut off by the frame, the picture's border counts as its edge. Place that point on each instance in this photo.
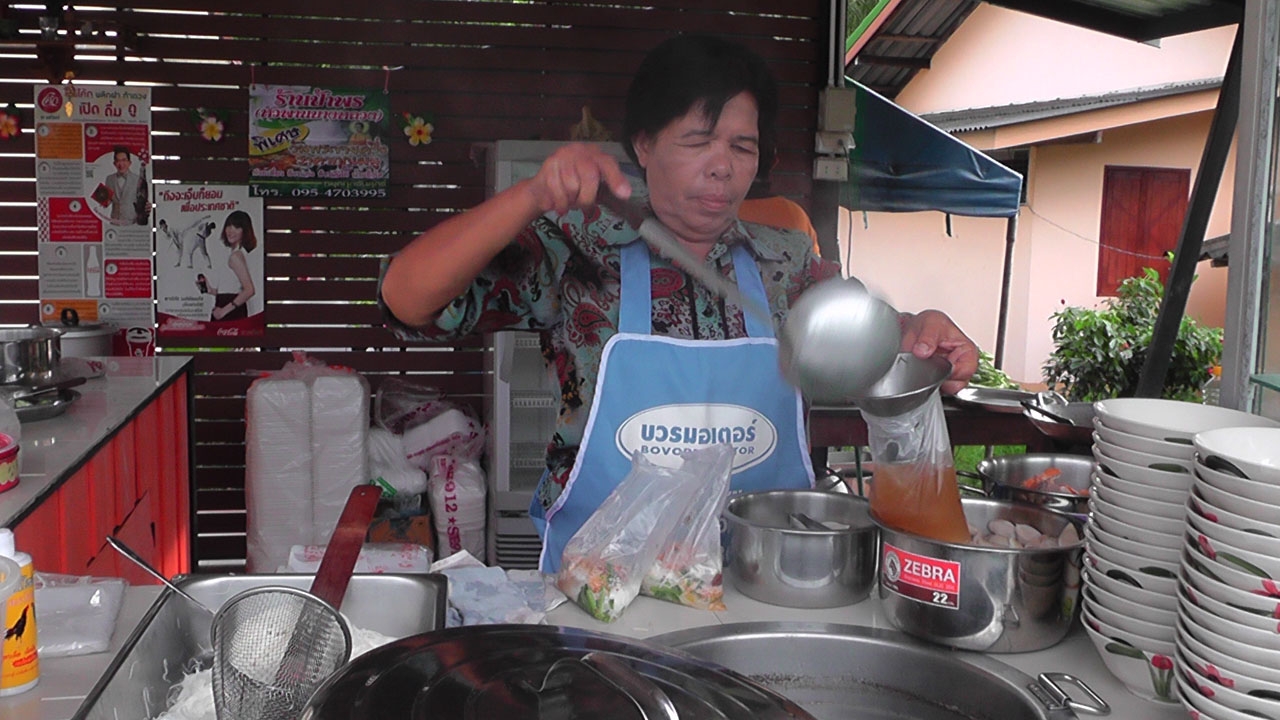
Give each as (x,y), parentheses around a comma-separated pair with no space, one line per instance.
(20,665)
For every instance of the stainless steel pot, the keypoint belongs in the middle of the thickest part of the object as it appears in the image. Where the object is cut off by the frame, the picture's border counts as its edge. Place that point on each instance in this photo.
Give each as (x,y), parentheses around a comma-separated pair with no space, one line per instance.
(983,598)
(838,672)
(1005,477)
(29,356)
(526,671)
(800,548)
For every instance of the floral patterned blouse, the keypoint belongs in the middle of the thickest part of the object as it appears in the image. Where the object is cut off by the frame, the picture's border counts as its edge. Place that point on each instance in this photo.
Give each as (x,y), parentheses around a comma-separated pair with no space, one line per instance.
(560,277)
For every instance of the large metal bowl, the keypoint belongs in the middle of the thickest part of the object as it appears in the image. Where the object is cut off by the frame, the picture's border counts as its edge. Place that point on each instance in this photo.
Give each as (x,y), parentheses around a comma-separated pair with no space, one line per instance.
(1004,478)
(773,557)
(983,598)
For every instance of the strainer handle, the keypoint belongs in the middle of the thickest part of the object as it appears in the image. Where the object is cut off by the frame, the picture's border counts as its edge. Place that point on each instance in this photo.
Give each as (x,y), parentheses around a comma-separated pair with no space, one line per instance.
(1096,705)
(648,698)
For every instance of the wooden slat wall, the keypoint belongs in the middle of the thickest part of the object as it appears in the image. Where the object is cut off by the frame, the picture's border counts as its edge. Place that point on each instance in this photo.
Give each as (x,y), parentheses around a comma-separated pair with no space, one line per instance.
(485,71)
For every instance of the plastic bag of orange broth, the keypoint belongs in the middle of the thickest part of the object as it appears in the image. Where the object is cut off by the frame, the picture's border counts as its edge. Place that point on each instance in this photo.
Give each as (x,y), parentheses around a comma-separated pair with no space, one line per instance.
(913,488)
(688,570)
(605,561)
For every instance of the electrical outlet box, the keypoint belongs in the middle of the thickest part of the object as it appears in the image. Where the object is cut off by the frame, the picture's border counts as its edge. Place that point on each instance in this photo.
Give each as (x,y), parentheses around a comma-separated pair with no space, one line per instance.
(836,109)
(831,168)
(833,143)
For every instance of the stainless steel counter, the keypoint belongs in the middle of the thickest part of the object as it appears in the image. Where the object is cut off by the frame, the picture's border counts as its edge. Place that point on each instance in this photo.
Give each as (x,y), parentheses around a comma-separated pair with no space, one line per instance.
(65,681)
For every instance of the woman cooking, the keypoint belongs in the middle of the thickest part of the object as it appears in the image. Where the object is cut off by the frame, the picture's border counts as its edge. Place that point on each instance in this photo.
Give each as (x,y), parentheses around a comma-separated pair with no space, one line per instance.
(628,334)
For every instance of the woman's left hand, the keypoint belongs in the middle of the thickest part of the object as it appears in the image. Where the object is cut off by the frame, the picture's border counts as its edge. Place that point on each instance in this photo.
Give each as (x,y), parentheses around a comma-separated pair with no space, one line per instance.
(221,312)
(932,332)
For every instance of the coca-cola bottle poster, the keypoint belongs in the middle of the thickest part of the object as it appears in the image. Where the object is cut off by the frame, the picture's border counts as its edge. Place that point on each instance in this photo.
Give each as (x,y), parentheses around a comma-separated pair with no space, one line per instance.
(93,209)
(209,254)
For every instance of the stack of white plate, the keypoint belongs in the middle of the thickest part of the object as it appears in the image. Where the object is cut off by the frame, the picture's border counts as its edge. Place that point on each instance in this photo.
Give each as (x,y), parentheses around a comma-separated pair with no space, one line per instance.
(1143,474)
(1228,636)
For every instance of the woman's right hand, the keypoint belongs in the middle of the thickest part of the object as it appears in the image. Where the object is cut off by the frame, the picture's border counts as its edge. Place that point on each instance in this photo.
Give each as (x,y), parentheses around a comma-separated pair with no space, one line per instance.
(570,178)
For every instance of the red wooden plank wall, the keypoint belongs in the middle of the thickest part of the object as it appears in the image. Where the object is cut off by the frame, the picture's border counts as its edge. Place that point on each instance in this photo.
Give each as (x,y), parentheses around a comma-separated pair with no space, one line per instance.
(136,487)
(485,71)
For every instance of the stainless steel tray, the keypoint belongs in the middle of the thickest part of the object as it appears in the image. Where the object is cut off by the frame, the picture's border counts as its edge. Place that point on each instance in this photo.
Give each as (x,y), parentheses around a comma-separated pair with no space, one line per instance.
(46,408)
(173,636)
(845,671)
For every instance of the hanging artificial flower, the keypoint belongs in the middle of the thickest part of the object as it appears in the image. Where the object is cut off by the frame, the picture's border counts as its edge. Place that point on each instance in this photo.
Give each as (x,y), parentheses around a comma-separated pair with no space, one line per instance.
(10,123)
(417,128)
(211,126)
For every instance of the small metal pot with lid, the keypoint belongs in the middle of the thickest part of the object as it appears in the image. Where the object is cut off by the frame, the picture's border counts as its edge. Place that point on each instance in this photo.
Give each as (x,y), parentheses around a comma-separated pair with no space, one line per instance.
(83,339)
(528,671)
(29,356)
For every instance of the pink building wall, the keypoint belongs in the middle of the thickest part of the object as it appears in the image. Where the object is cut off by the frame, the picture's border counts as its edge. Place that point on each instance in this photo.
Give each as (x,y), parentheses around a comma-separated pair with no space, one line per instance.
(912,261)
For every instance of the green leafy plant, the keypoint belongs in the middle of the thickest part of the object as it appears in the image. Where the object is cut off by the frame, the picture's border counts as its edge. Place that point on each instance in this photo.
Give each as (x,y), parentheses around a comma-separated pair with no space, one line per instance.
(988,375)
(1099,352)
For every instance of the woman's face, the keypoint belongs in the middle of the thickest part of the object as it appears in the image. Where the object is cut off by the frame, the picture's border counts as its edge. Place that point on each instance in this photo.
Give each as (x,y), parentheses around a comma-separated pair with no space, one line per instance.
(233,235)
(699,175)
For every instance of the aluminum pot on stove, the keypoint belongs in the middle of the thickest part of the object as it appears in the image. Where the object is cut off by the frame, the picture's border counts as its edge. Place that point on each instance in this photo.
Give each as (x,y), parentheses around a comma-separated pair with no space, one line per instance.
(1065,485)
(528,671)
(991,599)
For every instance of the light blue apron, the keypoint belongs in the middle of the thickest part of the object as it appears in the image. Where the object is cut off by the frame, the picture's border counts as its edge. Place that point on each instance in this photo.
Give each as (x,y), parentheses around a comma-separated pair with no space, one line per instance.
(661,396)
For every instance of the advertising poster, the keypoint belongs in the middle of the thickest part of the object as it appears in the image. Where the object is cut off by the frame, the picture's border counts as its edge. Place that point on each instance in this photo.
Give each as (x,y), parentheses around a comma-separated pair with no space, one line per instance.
(316,142)
(93,208)
(209,250)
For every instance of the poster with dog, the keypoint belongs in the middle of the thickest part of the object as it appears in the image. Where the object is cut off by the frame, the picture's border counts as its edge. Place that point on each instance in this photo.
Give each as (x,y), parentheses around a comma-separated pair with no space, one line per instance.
(209,277)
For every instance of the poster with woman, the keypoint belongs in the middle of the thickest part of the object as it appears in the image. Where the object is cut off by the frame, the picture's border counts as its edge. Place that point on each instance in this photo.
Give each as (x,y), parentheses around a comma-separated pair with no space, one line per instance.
(209,278)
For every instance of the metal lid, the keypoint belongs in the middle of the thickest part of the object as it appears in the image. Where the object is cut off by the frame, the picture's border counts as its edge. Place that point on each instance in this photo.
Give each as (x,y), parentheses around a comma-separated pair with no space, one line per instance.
(528,671)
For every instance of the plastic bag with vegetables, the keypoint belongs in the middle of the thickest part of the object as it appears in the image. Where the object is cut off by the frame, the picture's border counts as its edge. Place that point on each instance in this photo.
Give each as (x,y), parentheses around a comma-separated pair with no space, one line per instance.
(688,570)
(605,561)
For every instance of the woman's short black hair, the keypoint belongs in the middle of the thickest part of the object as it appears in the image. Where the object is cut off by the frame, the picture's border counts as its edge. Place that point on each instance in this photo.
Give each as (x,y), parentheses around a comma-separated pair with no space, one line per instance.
(240,219)
(706,71)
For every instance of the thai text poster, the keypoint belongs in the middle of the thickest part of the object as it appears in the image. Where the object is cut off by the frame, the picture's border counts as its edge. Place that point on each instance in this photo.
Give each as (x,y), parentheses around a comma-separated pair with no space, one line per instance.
(315,142)
(93,208)
(209,270)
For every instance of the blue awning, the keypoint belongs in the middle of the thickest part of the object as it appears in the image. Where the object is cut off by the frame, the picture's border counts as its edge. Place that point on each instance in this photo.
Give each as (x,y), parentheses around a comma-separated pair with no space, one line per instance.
(901,163)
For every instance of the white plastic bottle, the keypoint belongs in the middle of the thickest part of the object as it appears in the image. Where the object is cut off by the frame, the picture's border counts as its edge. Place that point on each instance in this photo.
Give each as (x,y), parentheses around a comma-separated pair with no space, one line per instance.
(20,668)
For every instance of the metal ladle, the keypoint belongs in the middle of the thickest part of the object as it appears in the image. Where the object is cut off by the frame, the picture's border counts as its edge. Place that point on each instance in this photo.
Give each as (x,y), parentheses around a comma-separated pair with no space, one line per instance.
(838,339)
(137,559)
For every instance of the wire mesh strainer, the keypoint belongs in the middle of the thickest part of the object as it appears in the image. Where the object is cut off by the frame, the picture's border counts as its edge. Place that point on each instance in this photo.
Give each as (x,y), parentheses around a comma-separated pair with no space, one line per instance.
(273,646)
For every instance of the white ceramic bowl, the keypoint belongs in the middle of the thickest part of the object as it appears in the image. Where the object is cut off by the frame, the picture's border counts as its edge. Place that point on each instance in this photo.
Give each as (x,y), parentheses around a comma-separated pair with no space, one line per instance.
(1180,450)
(1097,534)
(1131,592)
(1205,708)
(1145,536)
(1244,652)
(1223,661)
(1240,633)
(1230,536)
(1254,450)
(1127,610)
(1156,631)
(1146,490)
(1230,697)
(1227,612)
(1197,571)
(1215,513)
(1132,664)
(1172,420)
(1252,509)
(1257,567)
(1212,674)
(1143,459)
(1136,503)
(1137,518)
(1159,584)
(1138,473)
(1263,492)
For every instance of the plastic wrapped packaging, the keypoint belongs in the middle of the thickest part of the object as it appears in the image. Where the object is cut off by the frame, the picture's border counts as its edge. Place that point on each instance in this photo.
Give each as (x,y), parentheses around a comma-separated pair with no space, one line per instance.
(401,482)
(76,613)
(456,489)
(373,558)
(428,424)
(339,436)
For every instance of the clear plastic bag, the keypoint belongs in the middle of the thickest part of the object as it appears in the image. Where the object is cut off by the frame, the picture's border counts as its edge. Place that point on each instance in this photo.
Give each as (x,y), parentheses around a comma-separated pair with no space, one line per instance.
(914,487)
(688,568)
(605,561)
(76,613)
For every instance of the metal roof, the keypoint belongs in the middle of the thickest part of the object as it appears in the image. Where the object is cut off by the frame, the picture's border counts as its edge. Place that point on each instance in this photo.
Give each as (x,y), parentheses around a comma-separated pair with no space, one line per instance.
(904,42)
(955,121)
